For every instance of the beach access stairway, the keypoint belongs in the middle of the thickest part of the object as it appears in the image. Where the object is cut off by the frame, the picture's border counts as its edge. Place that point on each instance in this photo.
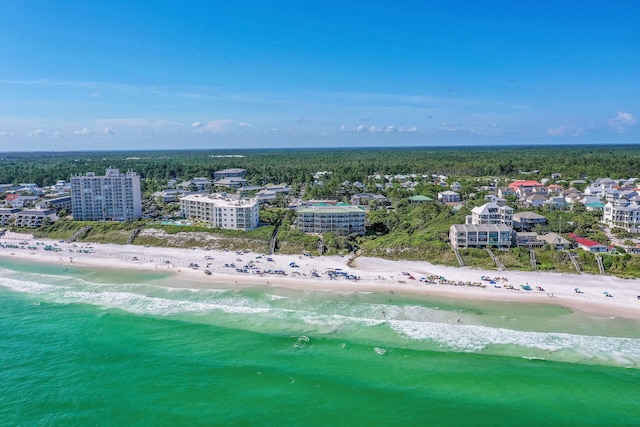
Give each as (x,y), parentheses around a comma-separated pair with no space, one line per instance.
(80,233)
(532,257)
(495,259)
(600,265)
(574,259)
(133,235)
(458,256)
(274,237)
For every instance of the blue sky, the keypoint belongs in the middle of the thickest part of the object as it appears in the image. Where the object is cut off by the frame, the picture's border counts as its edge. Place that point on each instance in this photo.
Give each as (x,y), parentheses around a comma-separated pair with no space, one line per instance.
(99,75)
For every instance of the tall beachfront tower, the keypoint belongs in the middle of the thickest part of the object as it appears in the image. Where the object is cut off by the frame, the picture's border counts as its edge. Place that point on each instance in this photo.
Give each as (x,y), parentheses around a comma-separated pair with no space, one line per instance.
(112,197)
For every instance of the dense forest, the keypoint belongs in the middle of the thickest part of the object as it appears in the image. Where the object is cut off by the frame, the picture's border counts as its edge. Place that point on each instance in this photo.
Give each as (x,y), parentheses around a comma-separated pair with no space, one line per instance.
(297,166)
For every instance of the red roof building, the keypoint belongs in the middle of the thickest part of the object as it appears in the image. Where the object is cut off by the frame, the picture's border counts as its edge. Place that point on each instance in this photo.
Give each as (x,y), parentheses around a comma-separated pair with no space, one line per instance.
(588,245)
(525,184)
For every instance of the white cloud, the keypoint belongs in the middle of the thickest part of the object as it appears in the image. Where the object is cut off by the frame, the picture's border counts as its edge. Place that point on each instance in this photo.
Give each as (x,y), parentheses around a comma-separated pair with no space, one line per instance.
(220,126)
(196,124)
(624,119)
(4,133)
(569,130)
(559,131)
(36,132)
(83,131)
(378,129)
(108,131)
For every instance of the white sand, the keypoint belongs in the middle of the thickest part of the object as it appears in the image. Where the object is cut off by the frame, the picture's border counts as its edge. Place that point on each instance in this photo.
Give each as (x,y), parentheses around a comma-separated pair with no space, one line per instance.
(374,274)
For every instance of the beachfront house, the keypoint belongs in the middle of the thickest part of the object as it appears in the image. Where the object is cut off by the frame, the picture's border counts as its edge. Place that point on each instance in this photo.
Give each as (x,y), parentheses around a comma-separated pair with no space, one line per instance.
(527,239)
(491,213)
(528,220)
(480,236)
(588,245)
(555,240)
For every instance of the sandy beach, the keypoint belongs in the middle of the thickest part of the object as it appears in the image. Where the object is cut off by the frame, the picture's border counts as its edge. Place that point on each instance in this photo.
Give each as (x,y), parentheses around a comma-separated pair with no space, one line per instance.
(598,295)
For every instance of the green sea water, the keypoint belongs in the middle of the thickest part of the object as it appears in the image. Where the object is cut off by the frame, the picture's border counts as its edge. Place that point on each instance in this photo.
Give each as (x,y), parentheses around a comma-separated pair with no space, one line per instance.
(89,347)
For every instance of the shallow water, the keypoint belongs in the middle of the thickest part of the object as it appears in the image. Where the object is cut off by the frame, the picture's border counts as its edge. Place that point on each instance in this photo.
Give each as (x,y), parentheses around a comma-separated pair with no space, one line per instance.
(84,346)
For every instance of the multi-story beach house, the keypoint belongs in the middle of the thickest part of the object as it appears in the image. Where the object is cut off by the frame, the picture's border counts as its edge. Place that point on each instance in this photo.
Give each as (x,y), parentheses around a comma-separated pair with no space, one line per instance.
(228,211)
(339,218)
(480,236)
(113,197)
(448,197)
(622,214)
(488,225)
(528,220)
(491,213)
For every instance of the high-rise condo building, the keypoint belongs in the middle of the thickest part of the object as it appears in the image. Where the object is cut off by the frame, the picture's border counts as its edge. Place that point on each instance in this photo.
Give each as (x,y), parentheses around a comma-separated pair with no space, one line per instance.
(112,197)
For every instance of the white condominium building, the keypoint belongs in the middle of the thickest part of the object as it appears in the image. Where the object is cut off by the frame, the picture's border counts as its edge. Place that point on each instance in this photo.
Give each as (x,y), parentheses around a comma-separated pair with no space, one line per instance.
(622,214)
(221,210)
(339,219)
(112,197)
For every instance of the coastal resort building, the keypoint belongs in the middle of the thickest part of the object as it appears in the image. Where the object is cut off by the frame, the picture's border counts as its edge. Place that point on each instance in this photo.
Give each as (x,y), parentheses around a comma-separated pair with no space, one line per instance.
(270,192)
(228,211)
(31,218)
(34,218)
(197,184)
(58,203)
(112,197)
(338,218)
(480,236)
(230,173)
(232,182)
(6,214)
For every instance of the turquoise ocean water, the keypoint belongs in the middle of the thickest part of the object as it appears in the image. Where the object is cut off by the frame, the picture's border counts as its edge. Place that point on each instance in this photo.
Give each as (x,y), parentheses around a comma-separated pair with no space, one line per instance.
(86,347)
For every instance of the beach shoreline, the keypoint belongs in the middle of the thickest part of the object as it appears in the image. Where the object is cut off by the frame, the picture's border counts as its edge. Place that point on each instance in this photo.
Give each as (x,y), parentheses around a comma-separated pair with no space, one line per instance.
(203,269)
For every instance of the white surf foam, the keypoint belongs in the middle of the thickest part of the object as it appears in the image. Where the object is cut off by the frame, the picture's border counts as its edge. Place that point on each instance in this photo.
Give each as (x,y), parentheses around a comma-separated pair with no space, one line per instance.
(473,338)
